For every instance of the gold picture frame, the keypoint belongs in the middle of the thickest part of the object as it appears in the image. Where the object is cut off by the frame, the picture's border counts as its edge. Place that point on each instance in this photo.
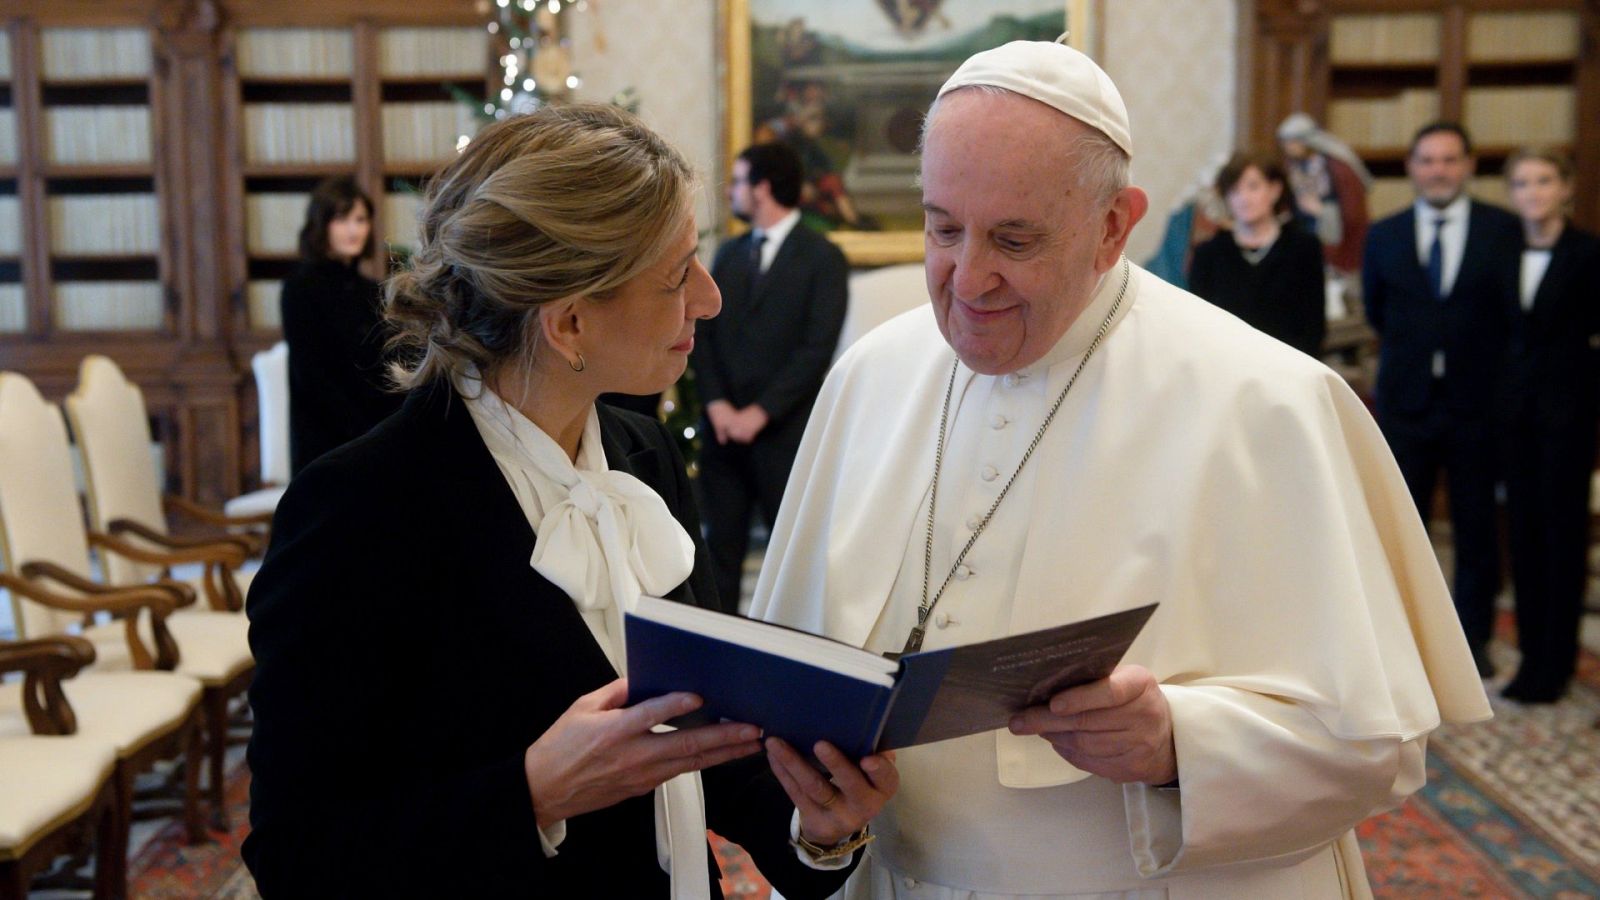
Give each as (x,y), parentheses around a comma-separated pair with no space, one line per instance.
(900,241)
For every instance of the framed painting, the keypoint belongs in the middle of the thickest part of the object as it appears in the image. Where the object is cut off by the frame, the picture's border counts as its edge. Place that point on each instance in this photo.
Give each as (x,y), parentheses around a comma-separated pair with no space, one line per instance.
(847,82)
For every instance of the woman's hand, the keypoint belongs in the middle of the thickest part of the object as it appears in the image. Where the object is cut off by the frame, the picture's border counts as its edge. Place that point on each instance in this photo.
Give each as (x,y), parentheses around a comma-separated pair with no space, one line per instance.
(599,754)
(833,809)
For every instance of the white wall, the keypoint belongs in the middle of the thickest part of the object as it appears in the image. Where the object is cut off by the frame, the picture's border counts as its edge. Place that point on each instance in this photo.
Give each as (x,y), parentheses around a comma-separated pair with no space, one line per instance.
(666,50)
(1175,64)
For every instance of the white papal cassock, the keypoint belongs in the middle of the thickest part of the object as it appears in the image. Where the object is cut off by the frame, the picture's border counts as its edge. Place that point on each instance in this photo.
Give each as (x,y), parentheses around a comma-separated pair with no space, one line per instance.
(1305,639)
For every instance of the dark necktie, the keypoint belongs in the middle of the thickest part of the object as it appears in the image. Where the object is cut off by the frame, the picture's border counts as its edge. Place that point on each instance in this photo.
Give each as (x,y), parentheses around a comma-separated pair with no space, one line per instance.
(1436,260)
(758,239)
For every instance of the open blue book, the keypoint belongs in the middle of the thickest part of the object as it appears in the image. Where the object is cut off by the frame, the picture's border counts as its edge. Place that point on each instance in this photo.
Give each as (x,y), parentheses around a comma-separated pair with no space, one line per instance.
(804,688)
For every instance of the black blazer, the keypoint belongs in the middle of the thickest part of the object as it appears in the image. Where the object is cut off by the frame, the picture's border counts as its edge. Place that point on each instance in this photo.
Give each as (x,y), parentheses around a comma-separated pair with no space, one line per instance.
(1553,367)
(1470,325)
(1282,295)
(406,656)
(336,335)
(773,347)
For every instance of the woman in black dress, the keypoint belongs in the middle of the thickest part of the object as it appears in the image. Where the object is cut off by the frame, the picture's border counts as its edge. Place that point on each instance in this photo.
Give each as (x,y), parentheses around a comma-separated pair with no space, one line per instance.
(1549,413)
(1266,270)
(337,384)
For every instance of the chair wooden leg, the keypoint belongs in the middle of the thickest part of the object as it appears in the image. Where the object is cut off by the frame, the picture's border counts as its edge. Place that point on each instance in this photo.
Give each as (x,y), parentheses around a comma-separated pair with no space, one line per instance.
(111,842)
(216,703)
(194,823)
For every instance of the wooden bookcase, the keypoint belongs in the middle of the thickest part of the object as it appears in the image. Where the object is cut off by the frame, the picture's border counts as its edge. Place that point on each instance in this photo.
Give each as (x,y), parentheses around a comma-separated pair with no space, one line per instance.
(161,246)
(1513,72)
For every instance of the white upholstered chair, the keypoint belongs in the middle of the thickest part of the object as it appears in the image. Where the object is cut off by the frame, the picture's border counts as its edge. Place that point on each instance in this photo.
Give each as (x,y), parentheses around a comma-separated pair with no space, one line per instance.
(44,550)
(112,428)
(878,295)
(271,368)
(56,784)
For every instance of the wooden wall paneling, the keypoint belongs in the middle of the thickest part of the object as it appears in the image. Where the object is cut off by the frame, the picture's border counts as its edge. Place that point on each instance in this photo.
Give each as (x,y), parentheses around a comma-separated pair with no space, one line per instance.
(313,13)
(1587,150)
(1453,63)
(174,190)
(230,194)
(29,110)
(190,171)
(367,100)
(210,441)
(1289,62)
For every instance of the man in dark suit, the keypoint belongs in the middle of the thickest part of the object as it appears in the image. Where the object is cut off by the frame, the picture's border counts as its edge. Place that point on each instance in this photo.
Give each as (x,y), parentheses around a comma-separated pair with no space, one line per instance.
(1437,283)
(760,363)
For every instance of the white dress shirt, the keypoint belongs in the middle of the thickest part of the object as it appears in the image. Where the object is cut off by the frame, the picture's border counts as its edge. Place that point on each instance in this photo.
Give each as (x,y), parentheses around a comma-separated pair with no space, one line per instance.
(1535,262)
(1453,237)
(775,236)
(604,538)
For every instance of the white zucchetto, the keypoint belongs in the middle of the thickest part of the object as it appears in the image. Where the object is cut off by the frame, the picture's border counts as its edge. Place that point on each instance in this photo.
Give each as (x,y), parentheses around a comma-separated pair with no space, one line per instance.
(1055,75)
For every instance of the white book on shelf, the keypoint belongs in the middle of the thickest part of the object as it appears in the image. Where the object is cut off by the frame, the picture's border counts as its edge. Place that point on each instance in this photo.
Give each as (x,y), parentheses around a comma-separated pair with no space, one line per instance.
(13,308)
(108,305)
(82,54)
(272,222)
(1388,196)
(432,51)
(295,52)
(299,132)
(1522,35)
(98,134)
(399,219)
(8,137)
(10,225)
(1490,189)
(261,300)
(424,132)
(1522,115)
(113,224)
(1384,38)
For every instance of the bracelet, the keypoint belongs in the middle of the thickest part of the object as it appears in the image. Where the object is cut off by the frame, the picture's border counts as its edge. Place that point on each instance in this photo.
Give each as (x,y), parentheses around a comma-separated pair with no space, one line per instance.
(849,845)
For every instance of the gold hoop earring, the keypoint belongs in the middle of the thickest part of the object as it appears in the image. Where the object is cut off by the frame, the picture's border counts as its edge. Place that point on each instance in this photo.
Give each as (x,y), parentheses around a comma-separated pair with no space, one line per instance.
(578,366)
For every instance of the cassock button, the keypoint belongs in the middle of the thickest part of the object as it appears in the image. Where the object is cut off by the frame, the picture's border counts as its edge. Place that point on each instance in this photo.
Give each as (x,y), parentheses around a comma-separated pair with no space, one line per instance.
(909,882)
(1012,379)
(989,473)
(973,522)
(998,422)
(962,572)
(942,620)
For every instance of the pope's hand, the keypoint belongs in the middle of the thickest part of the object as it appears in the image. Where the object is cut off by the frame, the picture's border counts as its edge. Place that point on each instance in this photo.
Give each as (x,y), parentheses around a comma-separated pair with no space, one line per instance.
(1119,727)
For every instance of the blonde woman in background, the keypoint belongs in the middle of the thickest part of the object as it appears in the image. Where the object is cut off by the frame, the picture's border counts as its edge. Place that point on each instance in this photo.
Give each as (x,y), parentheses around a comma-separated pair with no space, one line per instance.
(1550,403)
(437,626)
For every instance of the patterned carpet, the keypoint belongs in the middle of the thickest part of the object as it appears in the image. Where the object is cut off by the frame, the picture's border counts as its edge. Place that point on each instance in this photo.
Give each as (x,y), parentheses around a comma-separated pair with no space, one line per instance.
(165,868)
(1511,808)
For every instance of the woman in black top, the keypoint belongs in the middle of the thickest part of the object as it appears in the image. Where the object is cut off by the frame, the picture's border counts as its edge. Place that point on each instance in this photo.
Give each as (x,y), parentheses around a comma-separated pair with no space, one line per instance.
(337,385)
(1549,409)
(438,625)
(1267,271)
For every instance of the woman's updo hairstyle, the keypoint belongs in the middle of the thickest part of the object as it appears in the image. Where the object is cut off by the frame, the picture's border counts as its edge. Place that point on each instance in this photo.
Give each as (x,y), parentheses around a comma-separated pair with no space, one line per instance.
(568,200)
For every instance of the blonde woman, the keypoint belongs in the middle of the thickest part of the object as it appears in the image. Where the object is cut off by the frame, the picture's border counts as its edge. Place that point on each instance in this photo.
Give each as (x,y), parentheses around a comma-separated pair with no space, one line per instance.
(437,626)
(1550,407)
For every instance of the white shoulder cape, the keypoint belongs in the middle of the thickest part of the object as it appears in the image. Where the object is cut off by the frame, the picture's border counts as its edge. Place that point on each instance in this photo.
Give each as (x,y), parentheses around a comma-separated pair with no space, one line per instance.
(1197,463)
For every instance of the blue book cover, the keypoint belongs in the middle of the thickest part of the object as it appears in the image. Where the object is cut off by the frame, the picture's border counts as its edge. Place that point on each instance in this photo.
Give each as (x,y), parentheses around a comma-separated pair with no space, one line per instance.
(804,688)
